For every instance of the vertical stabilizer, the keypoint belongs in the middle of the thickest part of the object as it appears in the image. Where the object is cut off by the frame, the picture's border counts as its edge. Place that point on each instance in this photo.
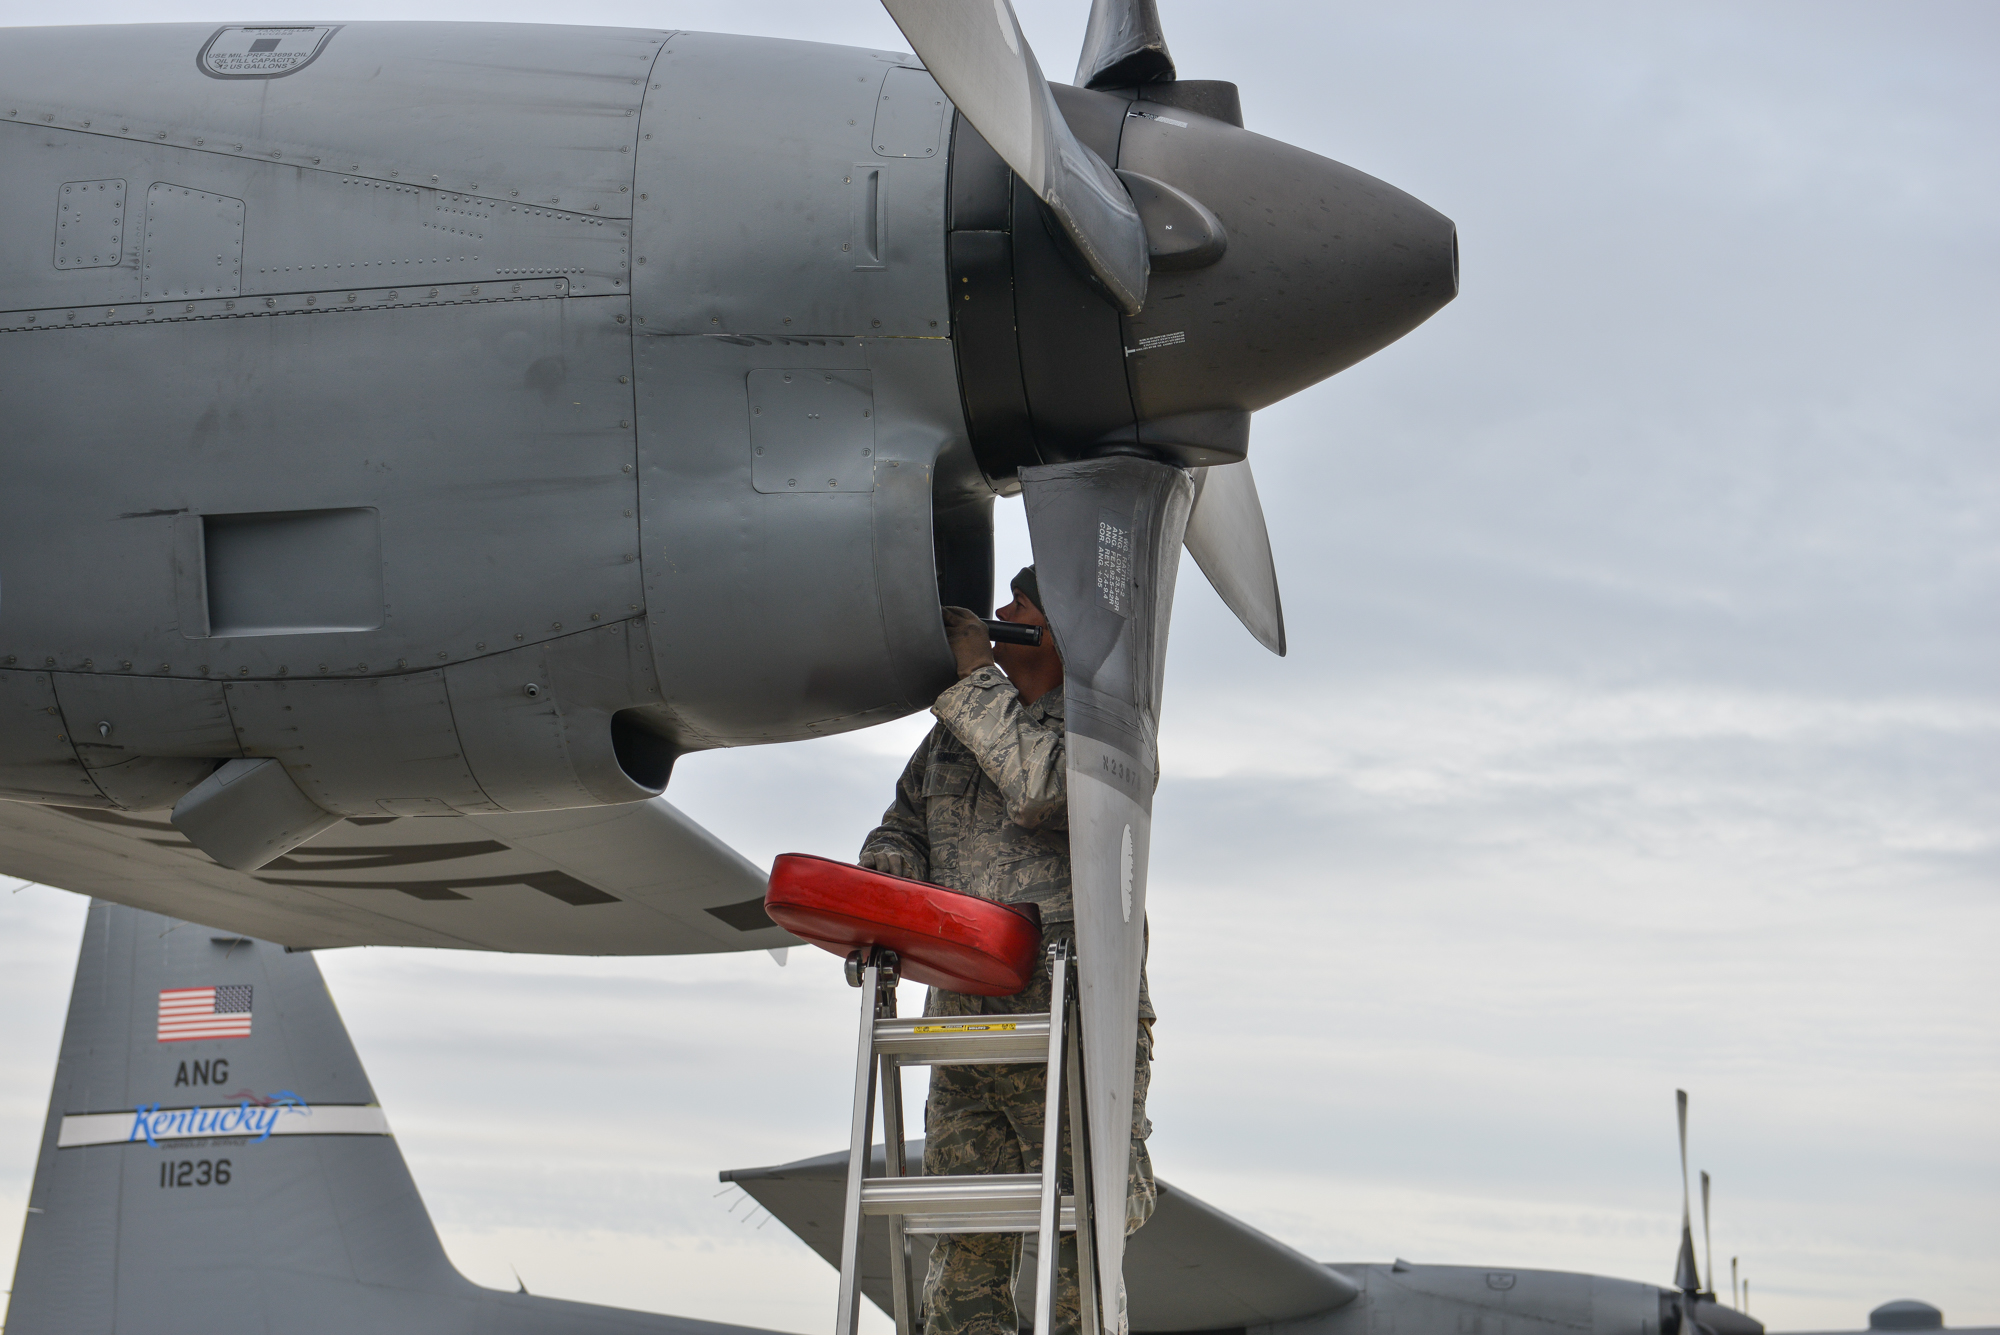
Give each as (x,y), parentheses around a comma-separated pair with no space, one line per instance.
(215,1161)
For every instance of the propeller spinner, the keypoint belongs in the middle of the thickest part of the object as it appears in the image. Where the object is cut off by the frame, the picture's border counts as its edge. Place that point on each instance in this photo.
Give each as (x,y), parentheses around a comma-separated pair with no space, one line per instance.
(1134,274)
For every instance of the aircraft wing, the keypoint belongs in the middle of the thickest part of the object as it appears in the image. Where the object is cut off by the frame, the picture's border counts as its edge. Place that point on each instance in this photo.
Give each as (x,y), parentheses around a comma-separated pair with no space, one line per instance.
(1191,1268)
(639,879)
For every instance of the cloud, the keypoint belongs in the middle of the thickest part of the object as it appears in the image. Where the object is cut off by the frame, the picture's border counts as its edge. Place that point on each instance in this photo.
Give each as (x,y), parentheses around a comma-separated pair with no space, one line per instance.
(1638,731)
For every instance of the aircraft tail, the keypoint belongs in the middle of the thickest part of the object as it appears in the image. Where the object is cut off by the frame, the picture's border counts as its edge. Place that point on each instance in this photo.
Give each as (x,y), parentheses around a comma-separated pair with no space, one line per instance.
(215,1162)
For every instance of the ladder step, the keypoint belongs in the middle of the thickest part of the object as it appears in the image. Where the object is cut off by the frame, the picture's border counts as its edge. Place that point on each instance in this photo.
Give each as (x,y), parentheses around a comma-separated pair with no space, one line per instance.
(991,1221)
(956,1041)
(965,1193)
(988,1203)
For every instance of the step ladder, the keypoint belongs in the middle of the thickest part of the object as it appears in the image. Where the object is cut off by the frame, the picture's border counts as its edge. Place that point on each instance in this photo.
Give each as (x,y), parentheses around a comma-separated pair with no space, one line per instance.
(990,1203)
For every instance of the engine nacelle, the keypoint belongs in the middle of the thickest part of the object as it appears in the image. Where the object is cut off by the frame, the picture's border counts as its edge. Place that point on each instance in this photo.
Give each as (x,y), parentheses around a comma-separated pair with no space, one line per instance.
(473,461)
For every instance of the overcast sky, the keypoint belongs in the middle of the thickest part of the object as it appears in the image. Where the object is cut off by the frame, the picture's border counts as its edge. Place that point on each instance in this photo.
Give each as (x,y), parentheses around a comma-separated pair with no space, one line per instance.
(1641,727)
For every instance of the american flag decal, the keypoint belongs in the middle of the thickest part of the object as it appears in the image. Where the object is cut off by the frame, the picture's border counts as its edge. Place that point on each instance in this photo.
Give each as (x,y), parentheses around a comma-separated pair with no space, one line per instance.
(188,1013)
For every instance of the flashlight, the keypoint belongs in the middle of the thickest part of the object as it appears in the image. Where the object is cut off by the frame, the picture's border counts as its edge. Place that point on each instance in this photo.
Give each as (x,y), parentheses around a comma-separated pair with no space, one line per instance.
(1012,632)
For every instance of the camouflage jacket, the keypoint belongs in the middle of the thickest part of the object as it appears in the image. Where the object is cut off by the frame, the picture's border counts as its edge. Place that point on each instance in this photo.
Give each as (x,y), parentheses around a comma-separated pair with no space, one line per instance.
(983,806)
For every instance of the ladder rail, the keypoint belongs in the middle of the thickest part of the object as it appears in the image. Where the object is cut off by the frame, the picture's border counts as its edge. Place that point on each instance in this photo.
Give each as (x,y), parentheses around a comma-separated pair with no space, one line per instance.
(1049,1223)
(847,1318)
(1086,1186)
(895,1162)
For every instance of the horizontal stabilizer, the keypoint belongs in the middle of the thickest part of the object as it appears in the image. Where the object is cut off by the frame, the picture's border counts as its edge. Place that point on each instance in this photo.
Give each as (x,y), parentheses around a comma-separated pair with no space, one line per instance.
(1191,1267)
(638,879)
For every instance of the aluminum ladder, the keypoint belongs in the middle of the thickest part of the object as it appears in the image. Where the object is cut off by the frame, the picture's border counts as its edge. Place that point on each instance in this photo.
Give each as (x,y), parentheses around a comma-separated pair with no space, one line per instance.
(984,1203)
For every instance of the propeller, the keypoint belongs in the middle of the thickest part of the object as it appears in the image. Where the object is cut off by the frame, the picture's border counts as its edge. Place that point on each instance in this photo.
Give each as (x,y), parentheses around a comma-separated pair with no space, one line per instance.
(978,56)
(1228,539)
(1686,1278)
(1124,45)
(1241,270)
(1107,535)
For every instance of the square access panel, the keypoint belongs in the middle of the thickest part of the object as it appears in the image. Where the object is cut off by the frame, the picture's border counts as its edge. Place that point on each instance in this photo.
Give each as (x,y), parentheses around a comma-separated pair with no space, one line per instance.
(90,224)
(812,430)
(193,245)
(909,115)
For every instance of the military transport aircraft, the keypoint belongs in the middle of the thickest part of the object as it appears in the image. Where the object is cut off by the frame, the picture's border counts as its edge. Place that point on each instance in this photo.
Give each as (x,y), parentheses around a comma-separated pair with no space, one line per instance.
(427,420)
(215,1162)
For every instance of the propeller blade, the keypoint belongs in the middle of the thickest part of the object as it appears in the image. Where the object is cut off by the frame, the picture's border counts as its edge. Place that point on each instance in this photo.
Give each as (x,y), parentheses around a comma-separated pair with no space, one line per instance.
(1707,1241)
(1107,535)
(980,58)
(1681,1107)
(1228,539)
(1685,1277)
(1124,45)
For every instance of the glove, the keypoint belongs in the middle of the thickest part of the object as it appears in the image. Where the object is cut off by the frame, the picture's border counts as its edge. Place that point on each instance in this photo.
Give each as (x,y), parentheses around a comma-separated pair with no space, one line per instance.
(891,863)
(971,646)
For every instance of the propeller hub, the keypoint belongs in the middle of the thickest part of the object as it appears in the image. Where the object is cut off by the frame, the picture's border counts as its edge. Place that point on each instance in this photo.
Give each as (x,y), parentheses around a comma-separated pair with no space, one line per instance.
(1324,266)
(1272,268)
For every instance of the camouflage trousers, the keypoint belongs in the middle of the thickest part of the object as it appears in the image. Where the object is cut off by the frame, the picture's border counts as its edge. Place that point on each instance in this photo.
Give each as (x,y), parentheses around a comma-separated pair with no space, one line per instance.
(989,1119)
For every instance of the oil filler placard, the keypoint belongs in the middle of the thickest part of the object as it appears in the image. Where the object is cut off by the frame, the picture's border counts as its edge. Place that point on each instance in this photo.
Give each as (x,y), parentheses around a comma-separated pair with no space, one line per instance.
(263,52)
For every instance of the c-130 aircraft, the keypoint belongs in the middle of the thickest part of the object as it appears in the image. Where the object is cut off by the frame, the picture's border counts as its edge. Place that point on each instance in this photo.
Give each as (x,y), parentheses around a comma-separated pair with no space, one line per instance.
(465,421)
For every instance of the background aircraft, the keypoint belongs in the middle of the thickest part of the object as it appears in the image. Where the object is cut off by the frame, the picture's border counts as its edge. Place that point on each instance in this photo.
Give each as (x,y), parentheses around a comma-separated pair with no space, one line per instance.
(1649,640)
(215,1159)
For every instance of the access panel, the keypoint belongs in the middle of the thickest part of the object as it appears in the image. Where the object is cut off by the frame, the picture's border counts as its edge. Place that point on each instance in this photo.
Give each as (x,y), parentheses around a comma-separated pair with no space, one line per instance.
(812,430)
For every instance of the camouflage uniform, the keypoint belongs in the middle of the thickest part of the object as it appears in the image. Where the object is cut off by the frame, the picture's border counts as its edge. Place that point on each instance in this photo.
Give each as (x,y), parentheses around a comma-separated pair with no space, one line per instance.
(982,808)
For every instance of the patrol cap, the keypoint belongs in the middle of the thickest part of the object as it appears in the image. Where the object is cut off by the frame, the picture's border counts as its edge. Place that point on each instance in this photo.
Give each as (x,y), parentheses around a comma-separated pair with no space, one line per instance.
(1024,584)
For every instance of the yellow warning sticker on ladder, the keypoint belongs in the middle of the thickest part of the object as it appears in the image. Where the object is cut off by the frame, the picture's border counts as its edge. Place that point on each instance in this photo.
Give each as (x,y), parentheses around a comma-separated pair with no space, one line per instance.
(964,1028)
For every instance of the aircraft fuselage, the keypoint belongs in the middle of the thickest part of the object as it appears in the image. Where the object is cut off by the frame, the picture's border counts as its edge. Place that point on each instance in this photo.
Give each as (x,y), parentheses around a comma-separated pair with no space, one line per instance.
(475,417)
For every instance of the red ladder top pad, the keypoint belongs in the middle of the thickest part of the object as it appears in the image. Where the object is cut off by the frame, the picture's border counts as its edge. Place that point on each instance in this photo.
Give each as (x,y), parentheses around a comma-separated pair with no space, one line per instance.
(958,942)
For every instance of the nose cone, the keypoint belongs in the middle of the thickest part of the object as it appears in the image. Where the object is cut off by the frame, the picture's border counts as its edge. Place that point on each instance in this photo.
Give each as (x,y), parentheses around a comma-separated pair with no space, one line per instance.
(1324,265)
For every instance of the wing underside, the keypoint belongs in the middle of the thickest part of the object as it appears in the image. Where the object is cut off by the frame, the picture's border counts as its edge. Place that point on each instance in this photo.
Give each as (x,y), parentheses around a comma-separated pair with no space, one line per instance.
(640,879)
